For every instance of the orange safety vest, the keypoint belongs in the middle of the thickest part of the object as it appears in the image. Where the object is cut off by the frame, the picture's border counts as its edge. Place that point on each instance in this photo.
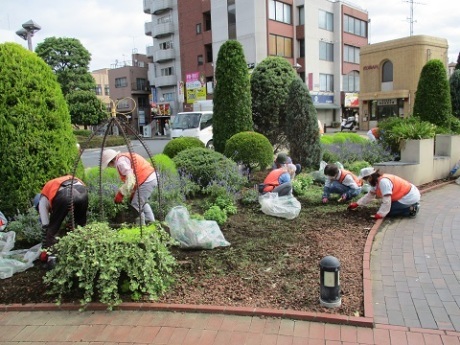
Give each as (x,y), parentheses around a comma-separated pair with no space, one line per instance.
(400,187)
(272,179)
(141,167)
(375,132)
(344,173)
(51,187)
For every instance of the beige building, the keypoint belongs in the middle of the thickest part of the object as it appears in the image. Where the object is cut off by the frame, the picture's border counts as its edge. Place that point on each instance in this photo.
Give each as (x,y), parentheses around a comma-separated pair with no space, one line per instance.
(389,75)
(101,77)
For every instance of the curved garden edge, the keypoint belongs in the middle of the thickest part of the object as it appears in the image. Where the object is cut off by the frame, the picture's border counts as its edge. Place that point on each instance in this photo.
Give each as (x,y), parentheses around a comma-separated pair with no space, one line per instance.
(362,321)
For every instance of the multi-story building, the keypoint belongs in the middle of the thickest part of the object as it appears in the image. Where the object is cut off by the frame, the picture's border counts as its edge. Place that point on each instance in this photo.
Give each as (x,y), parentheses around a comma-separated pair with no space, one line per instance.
(390,72)
(101,78)
(320,38)
(130,90)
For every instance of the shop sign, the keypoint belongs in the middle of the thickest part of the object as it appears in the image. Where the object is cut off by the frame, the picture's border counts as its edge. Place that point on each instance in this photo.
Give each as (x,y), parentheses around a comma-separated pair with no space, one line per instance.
(351,100)
(392,101)
(369,67)
(322,99)
(195,87)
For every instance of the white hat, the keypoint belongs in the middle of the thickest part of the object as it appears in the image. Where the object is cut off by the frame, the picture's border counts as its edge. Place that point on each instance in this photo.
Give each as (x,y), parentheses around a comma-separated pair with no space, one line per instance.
(365,172)
(107,156)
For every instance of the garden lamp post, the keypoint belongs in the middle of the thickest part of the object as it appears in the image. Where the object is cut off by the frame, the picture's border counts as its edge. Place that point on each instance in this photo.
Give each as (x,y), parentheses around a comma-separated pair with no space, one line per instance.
(28,30)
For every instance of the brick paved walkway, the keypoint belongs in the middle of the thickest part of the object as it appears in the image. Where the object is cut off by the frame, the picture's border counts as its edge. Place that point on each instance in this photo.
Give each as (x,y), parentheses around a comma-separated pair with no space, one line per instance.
(415,265)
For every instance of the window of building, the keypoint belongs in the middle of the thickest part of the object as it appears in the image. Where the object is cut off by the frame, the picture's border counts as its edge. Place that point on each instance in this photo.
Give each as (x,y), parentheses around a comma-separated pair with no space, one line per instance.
(326,82)
(280,46)
(200,60)
(208,52)
(351,54)
(301,48)
(198,28)
(121,82)
(280,12)
(141,84)
(326,20)
(98,89)
(166,45)
(326,51)
(166,71)
(142,102)
(106,90)
(231,17)
(351,82)
(387,71)
(207,21)
(168,96)
(123,104)
(164,19)
(301,13)
(355,26)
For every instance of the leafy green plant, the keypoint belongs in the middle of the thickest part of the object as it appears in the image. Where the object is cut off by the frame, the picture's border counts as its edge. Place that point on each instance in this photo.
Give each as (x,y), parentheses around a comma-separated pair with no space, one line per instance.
(217,214)
(226,203)
(27,227)
(251,149)
(301,184)
(98,259)
(173,147)
(249,196)
(355,167)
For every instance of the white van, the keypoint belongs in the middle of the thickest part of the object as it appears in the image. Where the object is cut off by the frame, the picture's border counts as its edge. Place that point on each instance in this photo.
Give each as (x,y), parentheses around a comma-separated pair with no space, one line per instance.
(196,124)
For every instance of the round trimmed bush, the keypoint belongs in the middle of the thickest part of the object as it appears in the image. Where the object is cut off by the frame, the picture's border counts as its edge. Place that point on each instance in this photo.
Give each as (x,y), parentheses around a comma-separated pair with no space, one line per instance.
(206,167)
(251,149)
(180,144)
(37,142)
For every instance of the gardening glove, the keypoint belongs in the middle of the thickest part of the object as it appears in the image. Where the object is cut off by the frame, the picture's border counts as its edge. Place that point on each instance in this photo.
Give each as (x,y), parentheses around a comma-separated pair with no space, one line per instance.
(43,256)
(377,216)
(325,200)
(118,198)
(353,205)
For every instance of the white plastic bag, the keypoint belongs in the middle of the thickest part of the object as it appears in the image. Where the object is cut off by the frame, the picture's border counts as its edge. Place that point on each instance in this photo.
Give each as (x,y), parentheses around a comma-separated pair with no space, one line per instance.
(3,221)
(13,261)
(286,206)
(193,233)
(7,241)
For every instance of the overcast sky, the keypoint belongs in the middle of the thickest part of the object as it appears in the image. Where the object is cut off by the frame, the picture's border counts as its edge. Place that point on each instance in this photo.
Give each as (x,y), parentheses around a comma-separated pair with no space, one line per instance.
(112,29)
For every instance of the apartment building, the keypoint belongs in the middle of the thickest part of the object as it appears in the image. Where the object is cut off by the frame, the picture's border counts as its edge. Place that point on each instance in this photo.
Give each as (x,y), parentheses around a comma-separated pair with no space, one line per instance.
(130,90)
(320,38)
(101,78)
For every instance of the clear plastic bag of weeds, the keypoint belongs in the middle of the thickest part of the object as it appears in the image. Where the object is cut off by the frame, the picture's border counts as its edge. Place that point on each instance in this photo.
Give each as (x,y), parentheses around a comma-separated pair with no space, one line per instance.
(3,221)
(194,233)
(286,206)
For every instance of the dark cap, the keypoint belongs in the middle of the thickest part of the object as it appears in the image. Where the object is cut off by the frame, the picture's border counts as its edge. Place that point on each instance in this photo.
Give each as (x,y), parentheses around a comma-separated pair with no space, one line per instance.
(282,158)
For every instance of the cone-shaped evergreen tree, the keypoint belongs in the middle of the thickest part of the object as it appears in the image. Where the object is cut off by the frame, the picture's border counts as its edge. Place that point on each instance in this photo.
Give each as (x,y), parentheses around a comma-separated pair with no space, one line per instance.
(454,83)
(232,95)
(432,100)
(37,142)
(302,126)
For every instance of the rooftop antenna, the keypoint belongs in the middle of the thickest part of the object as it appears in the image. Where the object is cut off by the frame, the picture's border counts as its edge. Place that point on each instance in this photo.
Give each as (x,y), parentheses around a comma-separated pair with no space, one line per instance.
(411,18)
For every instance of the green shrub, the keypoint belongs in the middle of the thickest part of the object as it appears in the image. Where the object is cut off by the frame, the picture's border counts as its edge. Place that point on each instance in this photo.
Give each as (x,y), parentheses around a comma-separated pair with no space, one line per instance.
(37,142)
(355,167)
(207,168)
(96,141)
(249,196)
(226,203)
(173,147)
(110,185)
(169,192)
(301,184)
(27,227)
(82,132)
(251,149)
(340,138)
(97,259)
(217,214)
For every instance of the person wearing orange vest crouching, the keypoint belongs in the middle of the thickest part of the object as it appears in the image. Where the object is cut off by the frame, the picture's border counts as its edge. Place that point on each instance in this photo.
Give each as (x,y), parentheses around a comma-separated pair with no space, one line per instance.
(53,205)
(340,181)
(127,165)
(279,180)
(399,197)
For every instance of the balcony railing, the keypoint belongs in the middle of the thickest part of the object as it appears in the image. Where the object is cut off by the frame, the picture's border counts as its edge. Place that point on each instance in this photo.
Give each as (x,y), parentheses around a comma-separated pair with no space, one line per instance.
(164,55)
(148,6)
(168,80)
(160,6)
(148,28)
(150,52)
(163,29)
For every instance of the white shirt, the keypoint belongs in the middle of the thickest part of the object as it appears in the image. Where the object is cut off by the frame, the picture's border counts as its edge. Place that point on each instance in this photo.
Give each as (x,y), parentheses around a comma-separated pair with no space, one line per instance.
(348,181)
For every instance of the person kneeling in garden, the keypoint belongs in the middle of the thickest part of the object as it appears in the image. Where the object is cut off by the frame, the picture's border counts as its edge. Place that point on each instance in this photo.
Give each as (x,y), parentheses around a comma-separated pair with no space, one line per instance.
(53,205)
(340,181)
(399,197)
(127,165)
(279,180)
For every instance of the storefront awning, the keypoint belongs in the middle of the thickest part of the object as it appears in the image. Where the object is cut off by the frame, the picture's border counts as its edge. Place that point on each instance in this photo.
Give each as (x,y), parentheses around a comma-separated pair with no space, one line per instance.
(326,106)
